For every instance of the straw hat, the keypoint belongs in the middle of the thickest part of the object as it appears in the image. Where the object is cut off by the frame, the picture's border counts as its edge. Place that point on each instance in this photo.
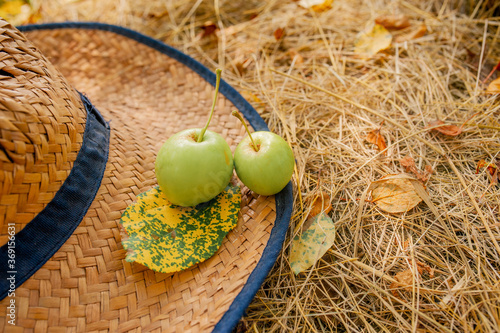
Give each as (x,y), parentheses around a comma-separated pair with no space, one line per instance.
(70,165)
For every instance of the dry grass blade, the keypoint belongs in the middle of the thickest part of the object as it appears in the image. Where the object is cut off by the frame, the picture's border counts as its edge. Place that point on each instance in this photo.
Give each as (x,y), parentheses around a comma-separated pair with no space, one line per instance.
(311,89)
(362,107)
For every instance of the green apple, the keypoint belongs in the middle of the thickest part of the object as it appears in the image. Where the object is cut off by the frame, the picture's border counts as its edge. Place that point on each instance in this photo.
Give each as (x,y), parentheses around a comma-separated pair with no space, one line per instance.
(263,161)
(194,165)
(191,172)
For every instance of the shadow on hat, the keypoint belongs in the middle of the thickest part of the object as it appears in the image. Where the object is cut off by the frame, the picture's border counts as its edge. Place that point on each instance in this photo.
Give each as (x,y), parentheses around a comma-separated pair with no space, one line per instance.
(83,114)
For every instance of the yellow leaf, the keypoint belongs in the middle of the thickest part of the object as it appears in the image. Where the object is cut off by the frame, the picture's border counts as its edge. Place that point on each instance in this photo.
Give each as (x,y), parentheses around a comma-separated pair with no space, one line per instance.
(494,87)
(18,12)
(11,8)
(316,5)
(168,238)
(308,247)
(372,41)
(254,100)
(395,193)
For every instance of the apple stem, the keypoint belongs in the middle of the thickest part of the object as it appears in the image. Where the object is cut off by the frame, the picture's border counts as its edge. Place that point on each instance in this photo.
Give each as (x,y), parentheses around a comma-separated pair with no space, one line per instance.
(218,73)
(238,115)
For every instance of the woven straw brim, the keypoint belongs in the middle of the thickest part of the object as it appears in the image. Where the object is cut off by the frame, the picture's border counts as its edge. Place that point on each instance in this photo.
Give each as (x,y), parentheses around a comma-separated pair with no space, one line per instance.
(87,285)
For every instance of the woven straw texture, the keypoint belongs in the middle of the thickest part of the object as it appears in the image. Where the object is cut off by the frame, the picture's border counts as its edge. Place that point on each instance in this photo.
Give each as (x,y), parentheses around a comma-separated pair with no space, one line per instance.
(42,121)
(87,285)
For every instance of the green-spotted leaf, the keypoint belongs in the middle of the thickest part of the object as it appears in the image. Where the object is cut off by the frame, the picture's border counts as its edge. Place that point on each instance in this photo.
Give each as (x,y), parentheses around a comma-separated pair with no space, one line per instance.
(312,244)
(168,238)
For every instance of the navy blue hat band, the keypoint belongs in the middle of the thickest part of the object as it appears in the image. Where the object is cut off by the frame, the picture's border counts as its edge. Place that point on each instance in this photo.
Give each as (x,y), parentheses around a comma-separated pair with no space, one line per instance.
(26,251)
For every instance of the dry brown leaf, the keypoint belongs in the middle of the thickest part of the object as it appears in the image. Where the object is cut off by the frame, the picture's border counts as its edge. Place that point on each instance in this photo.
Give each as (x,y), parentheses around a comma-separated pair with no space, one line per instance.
(372,41)
(492,170)
(422,267)
(316,5)
(294,54)
(494,87)
(209,28)
(405,278)
(451,130)
(405,245)
(393,22)
(409,164)
(241,63)
(320,203)
(279,33)
(157,13)
(376,138)
(395,193)
(489,166)
(414,34)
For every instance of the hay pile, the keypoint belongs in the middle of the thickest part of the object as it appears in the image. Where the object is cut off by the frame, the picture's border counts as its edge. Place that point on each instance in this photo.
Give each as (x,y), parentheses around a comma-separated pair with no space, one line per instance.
(434,268)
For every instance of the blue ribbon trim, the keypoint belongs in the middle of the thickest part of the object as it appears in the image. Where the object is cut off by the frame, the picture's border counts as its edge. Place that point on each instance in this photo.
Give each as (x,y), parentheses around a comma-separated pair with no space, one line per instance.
(40,239)
(284,207)
(284,199)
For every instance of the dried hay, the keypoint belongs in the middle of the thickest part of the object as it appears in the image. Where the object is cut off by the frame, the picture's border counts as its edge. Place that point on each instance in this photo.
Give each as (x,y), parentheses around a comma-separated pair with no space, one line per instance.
(435,268)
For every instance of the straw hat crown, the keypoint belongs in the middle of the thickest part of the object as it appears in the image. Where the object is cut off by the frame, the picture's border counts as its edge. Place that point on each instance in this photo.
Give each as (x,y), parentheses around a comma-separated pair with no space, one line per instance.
(42,121)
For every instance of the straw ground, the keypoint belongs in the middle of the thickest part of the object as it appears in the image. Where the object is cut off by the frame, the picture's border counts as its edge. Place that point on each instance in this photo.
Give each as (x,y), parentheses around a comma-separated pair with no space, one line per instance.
(434,268)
